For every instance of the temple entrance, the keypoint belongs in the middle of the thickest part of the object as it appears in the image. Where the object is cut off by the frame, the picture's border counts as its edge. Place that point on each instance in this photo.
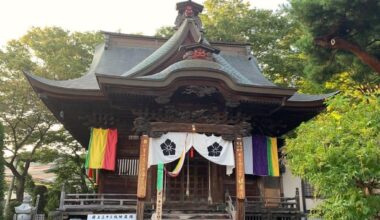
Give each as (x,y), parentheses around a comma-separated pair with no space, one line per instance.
(191,186)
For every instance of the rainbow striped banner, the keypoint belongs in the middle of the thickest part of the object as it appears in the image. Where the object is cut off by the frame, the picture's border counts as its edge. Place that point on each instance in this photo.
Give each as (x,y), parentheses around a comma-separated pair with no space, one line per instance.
(102,149)
(273,167)
(264,156)
(179,165)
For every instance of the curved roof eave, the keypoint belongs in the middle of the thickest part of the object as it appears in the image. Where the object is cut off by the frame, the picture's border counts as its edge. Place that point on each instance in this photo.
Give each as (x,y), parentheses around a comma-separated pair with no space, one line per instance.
(307,100)
(65,87)
(297,97)
(82,86)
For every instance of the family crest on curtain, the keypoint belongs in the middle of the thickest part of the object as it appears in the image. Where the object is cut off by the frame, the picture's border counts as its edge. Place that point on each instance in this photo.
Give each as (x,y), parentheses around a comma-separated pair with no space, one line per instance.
(174,145)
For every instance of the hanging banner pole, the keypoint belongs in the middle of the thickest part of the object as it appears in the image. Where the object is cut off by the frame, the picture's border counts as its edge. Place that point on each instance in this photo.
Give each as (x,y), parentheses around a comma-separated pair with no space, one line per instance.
(160,177)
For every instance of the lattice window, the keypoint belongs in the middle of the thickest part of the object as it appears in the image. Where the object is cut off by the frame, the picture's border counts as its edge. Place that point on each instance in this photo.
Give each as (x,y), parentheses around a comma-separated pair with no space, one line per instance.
(127,167)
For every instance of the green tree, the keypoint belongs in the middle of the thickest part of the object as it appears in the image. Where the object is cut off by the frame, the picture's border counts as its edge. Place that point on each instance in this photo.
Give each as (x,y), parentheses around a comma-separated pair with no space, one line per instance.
(2,176)
(339,153)
(272,36)
(165,31)
(340,36)
(226,20)
(326,150)
(42,192)
(72,158)
(30,129)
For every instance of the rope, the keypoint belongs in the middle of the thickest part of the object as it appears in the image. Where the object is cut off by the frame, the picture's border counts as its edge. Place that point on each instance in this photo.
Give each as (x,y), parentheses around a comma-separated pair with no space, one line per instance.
(188,178)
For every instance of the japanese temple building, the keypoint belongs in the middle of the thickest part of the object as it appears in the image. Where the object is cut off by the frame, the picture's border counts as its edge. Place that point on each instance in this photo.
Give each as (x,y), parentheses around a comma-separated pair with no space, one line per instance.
(150,88)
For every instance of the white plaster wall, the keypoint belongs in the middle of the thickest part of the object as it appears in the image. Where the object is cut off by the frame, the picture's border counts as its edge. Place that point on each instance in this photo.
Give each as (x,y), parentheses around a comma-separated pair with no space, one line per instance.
(290,183)
(311,203)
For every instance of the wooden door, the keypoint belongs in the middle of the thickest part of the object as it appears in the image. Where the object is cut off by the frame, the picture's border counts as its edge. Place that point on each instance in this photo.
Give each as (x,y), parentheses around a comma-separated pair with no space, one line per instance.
(191,185)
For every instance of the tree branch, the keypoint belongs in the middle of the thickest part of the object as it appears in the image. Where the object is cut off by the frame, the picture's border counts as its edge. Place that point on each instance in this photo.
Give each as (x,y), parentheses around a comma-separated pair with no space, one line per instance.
(339,43)
(26,168)
(8,149)
(13,129)
(13,169)
(372,42)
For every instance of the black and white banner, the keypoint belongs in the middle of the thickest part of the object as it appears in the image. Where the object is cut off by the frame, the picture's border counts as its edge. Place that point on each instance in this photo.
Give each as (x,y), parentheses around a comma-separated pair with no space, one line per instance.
(170,146)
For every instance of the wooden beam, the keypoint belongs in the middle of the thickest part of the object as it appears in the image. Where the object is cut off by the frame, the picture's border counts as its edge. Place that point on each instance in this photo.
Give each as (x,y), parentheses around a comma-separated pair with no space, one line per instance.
(240,179)
(189,127)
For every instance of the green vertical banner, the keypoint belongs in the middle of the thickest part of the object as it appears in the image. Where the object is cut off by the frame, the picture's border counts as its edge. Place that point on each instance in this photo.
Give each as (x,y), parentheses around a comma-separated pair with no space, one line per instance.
(160,179)
(160,176)
(269,156)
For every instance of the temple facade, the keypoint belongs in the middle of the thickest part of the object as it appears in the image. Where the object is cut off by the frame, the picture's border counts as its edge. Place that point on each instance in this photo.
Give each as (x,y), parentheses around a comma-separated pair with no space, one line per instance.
(191,107)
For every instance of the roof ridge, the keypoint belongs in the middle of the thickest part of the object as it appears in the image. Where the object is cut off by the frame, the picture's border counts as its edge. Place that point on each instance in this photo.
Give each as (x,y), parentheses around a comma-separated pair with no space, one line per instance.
(158,56)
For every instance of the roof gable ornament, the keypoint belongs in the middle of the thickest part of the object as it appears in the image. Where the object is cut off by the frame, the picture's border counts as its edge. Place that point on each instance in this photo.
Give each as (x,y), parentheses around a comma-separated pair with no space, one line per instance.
(190,10)
(198,51)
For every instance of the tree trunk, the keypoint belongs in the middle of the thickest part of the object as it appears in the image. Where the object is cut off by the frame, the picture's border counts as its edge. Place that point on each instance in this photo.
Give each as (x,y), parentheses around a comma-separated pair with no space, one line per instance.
(20,188)
(342,44)
(83,180)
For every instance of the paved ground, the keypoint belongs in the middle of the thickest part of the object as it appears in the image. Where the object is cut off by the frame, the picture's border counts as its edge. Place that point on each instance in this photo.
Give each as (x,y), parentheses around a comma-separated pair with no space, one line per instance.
(37,171)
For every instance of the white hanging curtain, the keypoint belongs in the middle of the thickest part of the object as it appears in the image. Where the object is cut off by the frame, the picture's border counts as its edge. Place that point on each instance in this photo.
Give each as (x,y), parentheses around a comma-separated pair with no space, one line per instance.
(170,146)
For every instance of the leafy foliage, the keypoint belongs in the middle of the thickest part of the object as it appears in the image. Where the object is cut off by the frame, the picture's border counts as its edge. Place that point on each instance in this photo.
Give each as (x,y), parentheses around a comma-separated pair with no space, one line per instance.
(340,36)
(42,192)
(226,20)
(270,34)
(30,129)
(70,157)
(339,154)
(2,166)
(165,32)
(10,209)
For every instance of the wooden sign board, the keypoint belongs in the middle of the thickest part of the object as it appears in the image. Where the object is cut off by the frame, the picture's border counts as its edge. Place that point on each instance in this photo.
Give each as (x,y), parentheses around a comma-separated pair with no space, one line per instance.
(240,173)
(116,216)
(142,178)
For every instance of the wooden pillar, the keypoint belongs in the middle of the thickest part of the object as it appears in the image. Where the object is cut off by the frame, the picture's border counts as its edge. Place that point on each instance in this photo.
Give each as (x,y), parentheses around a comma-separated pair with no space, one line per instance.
(142,177)
(240,179)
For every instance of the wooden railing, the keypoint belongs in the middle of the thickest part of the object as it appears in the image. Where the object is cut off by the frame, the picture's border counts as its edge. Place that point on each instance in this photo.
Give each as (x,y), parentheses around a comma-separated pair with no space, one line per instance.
(279,203)
(260,208)
(97,202)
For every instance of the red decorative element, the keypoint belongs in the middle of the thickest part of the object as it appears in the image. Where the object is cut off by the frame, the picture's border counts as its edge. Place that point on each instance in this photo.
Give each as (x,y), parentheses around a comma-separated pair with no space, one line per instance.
(189,11)
(192,153)
(199,53)
(90,173)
